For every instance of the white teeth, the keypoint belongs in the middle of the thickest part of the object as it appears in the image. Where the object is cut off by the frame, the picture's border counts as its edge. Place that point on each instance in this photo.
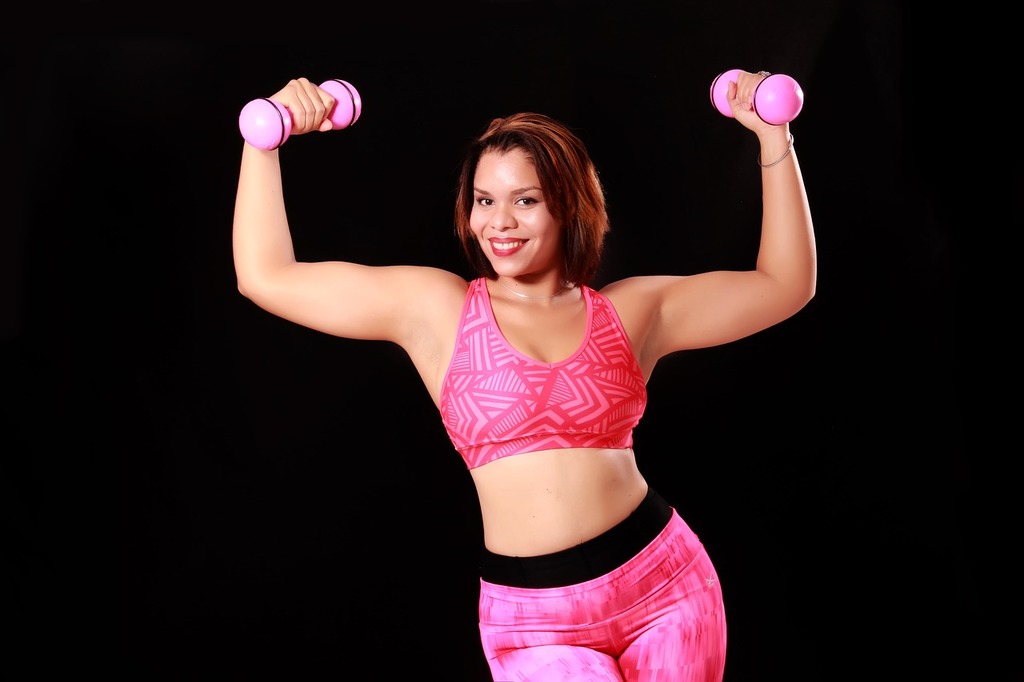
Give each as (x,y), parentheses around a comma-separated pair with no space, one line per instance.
(506,247)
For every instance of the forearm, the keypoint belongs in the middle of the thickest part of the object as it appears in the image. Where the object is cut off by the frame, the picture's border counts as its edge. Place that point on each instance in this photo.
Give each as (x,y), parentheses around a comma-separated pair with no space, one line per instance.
(787,252)
(261,239)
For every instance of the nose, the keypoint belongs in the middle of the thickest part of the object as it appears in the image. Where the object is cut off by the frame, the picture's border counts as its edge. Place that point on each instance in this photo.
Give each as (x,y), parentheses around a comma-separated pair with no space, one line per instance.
(502,220)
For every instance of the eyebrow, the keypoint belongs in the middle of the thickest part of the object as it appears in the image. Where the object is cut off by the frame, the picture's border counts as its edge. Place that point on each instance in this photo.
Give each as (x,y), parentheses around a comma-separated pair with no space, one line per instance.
(520,190)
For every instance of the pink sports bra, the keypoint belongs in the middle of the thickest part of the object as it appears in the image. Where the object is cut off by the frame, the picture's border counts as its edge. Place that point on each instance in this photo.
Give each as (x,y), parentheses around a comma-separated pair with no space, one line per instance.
(497,402)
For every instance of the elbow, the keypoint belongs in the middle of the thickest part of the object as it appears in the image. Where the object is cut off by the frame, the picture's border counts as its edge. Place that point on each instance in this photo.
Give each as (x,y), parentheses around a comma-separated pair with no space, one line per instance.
(807,289)
(810,290)
(244,293)
(265,292)
(248,285)
(803,295)
(803,282)
(240,285)
(812,281)
(795,296)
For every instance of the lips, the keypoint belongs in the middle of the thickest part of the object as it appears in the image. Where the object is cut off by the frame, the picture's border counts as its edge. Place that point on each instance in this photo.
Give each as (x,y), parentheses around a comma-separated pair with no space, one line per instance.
(506,247)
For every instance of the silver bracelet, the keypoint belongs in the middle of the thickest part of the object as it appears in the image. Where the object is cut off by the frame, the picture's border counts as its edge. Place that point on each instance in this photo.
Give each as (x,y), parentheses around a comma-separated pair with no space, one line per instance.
(778,160)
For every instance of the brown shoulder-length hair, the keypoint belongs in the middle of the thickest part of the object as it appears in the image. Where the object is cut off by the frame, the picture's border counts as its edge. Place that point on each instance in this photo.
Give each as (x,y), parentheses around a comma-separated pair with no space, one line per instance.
(568,179)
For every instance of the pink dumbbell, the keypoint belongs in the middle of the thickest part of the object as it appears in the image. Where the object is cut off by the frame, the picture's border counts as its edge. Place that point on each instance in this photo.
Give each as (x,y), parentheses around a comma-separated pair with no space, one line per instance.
(778,98)
(266,124)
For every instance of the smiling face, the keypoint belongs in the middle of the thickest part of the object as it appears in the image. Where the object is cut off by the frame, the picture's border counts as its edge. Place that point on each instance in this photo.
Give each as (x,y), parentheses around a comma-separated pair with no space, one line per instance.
(556,232)
(510,217)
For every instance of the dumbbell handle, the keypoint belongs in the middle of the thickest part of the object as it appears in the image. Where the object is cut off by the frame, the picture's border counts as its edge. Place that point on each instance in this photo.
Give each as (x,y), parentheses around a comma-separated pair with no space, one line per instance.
(266,124)
(777,98)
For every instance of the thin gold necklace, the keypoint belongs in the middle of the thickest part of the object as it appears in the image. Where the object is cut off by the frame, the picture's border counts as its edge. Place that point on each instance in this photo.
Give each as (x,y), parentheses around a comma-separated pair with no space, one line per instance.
(565,287)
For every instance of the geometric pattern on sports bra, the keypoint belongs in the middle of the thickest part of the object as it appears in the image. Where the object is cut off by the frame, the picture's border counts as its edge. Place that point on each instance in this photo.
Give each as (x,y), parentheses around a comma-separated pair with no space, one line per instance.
(498,402)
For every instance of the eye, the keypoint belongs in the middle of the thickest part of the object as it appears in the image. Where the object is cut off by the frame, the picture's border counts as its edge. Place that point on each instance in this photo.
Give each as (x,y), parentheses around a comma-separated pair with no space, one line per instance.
(484,201)
(526,200)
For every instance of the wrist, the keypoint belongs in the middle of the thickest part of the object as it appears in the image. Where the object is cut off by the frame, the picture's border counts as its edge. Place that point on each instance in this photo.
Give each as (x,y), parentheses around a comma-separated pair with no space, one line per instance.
(774,151)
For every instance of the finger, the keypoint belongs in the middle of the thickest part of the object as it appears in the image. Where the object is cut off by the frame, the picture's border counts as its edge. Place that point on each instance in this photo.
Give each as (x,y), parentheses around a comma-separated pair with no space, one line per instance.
(737,100)
(308,105)
(308,109)
(327,101)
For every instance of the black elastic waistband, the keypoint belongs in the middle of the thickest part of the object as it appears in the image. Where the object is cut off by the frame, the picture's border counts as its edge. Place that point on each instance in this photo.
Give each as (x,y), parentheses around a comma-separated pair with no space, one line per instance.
(585,561)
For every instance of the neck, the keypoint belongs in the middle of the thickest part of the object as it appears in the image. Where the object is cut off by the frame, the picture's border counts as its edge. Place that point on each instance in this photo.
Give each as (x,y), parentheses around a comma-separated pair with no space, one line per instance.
(564,287)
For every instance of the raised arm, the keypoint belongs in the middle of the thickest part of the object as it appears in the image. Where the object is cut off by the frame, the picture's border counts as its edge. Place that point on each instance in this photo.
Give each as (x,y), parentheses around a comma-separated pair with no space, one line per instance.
(340,298)
(673,313)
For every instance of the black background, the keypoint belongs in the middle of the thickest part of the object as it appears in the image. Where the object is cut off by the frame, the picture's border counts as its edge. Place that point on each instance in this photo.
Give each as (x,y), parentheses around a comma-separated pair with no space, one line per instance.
(196,488)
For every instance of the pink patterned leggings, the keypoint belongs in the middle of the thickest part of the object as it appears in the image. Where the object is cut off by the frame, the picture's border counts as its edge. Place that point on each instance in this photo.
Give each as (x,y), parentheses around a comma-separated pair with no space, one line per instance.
(657,618)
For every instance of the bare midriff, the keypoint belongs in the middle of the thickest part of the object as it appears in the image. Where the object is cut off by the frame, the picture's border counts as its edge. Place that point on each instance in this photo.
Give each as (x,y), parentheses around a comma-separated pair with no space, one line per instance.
(542,502)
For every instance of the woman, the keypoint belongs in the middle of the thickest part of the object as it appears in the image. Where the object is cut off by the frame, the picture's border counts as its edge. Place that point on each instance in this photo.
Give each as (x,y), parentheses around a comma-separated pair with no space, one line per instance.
(586,573)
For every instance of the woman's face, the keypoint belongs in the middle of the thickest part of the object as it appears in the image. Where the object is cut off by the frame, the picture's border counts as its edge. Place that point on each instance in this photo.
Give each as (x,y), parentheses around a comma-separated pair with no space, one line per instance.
(510,217)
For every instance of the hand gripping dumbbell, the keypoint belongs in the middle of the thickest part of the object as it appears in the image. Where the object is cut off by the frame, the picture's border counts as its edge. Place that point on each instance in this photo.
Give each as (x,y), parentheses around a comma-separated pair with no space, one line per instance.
(266,124)
(777,99)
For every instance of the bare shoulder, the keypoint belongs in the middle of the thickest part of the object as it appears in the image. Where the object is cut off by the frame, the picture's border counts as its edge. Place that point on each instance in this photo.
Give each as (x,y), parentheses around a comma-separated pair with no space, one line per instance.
(447,282)
(636,299)
(416,282)
(431,299)
(638,302)
(639,293)
(429,287)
